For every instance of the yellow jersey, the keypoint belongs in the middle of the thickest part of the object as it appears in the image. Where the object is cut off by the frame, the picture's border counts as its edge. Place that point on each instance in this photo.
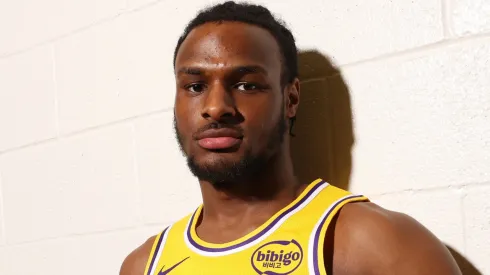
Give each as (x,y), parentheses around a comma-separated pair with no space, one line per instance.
(290,242)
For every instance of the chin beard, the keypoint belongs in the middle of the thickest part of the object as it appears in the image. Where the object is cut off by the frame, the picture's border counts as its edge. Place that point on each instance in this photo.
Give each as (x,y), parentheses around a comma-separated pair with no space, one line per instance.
(250,168)
(221,173)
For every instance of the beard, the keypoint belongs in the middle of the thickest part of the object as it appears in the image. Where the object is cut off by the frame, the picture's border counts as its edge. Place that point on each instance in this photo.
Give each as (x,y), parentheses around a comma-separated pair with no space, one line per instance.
(222,173)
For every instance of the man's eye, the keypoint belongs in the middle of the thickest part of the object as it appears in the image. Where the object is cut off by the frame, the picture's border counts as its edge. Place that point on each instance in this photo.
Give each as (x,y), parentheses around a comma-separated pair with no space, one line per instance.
(195,88)
(246,86)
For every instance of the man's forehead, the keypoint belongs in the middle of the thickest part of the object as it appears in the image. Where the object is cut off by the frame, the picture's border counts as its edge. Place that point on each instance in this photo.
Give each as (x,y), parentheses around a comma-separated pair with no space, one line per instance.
(229,43)
(203,69)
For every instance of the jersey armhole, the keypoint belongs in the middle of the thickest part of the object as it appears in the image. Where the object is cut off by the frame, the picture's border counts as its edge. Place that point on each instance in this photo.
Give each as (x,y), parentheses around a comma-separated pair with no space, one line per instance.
(156,248)
(319,233)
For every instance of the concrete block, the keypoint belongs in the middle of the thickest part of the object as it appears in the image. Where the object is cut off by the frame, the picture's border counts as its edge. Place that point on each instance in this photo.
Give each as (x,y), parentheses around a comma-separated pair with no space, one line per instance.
(3,260)
(81,184)
(28,22)
(27,98)
(470,16)
(98,82)
(477,226)
(138,4)
(439,211)
(105,252)
(169,190)
(350,31)
(422,121)
(41,258)
(153,33)
(151,45)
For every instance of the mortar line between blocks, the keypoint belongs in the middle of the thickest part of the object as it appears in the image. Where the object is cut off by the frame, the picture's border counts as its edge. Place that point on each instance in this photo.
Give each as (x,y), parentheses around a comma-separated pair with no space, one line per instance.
(446,6)
(30,144)
(432,189)
(76,30)
(76,235)
(89,129)
(60,36)
(416,51)
(116,122)
(141,7)
(3,226)
(463,220)
(55,85)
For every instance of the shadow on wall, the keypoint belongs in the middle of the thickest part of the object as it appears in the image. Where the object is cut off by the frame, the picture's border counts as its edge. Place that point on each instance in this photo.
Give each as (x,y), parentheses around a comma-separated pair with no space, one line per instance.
(466,267)
(324,136)
(324,130)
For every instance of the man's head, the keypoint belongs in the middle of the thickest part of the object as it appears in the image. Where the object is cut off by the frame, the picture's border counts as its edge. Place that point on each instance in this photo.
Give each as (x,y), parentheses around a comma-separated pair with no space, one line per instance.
(237,91)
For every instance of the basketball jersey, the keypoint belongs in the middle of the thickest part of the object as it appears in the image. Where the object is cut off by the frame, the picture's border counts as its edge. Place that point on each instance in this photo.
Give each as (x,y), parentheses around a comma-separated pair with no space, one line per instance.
(290,242)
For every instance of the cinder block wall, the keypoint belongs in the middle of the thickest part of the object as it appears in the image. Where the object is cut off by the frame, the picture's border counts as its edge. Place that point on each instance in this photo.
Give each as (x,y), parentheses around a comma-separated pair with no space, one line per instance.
(89,167)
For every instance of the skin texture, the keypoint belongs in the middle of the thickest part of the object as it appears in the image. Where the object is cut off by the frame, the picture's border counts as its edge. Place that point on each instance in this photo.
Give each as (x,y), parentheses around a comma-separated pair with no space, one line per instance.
(363,239)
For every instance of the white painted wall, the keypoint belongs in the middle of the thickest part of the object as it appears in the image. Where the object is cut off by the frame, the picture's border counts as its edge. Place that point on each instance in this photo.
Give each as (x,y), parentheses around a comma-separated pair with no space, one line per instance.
(89,167)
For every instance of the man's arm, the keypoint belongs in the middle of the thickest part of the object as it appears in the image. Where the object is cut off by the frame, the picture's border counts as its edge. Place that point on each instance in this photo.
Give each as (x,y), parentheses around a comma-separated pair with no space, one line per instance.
(373,240)
(135,262)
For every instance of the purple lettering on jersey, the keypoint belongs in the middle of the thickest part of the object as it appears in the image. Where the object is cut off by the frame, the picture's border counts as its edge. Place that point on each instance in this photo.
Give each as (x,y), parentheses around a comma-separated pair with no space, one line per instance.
(277,258)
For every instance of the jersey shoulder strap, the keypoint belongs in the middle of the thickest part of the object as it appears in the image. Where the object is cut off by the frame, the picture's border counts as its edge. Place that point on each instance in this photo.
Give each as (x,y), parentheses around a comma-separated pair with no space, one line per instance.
(161,240)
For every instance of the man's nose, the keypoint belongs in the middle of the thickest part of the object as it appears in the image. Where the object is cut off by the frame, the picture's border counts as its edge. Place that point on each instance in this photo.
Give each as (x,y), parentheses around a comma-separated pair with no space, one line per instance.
(219,103)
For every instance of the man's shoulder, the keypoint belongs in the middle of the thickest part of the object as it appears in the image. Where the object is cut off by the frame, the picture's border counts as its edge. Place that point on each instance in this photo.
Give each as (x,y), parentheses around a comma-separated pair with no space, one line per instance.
(378,241)
(371,226)
(361,218)
(135,262)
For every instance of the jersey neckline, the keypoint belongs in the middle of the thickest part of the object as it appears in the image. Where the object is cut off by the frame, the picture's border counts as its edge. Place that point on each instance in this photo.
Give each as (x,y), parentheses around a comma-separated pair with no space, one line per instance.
(193,240)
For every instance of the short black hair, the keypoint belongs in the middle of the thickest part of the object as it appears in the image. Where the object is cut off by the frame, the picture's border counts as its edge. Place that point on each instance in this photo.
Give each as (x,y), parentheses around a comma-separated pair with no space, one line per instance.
(255,15)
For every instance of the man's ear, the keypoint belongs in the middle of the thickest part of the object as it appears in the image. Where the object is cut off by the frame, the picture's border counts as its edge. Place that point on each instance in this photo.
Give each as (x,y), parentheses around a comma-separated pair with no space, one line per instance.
(292,98)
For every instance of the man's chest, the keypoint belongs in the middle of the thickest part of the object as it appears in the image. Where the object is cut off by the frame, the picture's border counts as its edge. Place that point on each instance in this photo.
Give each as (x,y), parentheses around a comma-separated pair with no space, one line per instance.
(271,257)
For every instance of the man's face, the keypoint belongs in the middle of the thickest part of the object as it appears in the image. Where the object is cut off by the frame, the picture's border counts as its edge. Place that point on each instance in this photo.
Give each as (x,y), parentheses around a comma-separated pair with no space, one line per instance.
(229,107)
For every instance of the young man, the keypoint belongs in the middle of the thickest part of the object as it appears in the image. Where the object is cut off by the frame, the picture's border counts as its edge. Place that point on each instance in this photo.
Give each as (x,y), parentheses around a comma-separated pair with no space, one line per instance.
(237,96)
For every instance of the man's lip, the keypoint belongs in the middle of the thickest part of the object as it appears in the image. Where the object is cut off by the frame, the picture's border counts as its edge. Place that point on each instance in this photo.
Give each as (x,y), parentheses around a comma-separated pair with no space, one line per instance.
(219,143)
(218,133)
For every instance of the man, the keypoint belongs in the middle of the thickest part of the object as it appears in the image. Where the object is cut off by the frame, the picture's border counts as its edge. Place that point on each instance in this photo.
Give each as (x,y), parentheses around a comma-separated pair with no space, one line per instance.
(237,96)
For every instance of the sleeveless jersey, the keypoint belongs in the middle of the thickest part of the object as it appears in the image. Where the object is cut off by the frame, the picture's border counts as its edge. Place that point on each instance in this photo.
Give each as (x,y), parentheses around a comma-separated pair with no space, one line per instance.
(290,242)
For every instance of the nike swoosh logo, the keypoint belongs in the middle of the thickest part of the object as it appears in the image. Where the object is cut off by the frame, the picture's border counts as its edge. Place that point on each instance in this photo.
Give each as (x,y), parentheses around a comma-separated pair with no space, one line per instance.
(164,272)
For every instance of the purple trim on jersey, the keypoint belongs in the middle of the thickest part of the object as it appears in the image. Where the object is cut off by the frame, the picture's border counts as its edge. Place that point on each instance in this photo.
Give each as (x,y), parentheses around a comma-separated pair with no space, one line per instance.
(256,236)
(319,229)
(155,253)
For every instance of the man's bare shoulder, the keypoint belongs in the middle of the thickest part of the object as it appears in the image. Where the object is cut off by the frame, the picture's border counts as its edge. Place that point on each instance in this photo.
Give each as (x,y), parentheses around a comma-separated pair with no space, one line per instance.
(135,262)
(372,240)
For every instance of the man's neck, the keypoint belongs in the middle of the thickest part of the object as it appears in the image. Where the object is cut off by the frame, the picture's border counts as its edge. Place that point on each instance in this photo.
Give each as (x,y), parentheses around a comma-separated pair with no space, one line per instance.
(239,214)
(220,203)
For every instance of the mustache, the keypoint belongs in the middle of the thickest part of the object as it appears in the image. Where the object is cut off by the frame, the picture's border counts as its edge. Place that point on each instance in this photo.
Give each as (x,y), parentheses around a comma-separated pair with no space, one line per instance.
(217,126)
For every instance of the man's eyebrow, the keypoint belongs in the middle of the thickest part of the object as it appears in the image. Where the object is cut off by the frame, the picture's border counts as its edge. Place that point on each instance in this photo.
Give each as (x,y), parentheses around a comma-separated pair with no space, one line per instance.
(190,70)
(251,69)
(247,69)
